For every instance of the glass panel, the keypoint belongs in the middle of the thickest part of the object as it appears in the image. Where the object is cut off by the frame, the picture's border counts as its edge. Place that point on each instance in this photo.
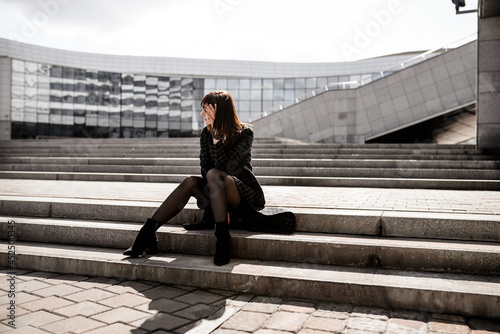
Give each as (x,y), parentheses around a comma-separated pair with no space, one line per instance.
(321,82)
(289,83)
(221,84)
(244,94)
(311,83)
(232,84)
(256,84)
(267,94)
(210,84)
(300,83)
(267,83)
(278,84)
(255,94)
(244,83)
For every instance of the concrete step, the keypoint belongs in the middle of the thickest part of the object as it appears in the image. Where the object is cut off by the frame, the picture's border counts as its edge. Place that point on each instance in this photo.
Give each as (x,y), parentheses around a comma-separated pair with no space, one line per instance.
(263,150)
(352,171)
(312,181)
(256,162)
(256,154)
(460,294)
(480,258)
(397,224)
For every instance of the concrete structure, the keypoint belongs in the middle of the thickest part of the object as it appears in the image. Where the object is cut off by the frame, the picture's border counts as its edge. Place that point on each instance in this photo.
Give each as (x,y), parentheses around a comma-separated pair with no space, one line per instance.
(488,79)
(50,92)
(428,89)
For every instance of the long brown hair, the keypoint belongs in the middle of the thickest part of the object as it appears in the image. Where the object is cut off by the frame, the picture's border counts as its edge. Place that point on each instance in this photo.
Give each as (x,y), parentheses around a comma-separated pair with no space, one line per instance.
(226,123)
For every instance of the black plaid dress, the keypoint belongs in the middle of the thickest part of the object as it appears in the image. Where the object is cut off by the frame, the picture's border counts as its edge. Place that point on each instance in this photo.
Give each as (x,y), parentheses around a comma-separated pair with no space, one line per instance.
(234,160)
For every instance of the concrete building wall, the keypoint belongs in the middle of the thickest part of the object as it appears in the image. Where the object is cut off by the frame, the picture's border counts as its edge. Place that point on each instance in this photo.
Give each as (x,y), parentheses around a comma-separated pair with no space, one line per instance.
(425,90)
(5,89)
(488,83)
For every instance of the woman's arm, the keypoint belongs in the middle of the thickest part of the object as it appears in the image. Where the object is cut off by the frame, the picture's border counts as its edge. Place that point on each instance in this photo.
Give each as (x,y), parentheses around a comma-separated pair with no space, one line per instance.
(206,161)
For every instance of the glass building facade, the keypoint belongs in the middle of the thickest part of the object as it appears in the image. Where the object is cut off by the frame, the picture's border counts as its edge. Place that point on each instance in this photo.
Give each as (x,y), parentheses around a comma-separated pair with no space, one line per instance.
(50,100)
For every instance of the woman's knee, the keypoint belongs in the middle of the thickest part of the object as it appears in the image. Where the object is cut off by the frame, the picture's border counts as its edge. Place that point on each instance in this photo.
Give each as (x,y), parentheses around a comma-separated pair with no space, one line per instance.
(215,175)
(192,182)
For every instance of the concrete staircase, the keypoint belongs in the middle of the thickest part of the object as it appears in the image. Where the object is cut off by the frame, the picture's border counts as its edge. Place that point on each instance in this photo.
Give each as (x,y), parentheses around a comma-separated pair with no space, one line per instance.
(434,262)
(276,163)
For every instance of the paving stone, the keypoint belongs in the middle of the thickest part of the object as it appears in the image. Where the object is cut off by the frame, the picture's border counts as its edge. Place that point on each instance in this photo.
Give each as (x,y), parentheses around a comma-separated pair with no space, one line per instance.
(325,324)
(228,331)
(57,290)
(311,331)
(24,297)
(240,301)
(39,275)
(123,314)
(4,327)
(85,308)
(397,326)
(274,331)
(66,278)
(199,296)
(126,299)
(286,321)
(128,286)
(448,327)
(32,286)
(114,328)
(25,330)
(197,312)
(161,321)
(163,291)
(96,282)
(358,331)
(246,321)
(263,304)
(329,310)
(49,303)
(37,319)
(76,324)
(91,295)
(162,305)
(367,324)
(297,306)
(224,293)
(370,312)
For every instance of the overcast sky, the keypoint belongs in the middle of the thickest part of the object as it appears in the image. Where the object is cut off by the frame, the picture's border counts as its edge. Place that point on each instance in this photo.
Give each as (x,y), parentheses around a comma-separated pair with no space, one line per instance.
(265,30)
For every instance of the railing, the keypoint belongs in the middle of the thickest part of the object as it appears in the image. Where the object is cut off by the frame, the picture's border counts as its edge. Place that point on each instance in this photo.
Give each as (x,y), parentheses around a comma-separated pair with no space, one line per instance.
(370,78)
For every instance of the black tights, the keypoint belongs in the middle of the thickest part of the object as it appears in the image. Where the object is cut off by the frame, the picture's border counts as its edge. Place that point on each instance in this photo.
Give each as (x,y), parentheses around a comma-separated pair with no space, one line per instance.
(219,190)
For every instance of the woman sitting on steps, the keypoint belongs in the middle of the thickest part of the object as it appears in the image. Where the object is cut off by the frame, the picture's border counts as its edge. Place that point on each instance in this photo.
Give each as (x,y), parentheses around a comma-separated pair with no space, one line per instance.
(227,183)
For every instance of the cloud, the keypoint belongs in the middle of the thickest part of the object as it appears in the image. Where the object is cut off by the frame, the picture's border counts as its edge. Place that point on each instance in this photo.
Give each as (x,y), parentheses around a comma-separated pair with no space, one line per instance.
(278,30)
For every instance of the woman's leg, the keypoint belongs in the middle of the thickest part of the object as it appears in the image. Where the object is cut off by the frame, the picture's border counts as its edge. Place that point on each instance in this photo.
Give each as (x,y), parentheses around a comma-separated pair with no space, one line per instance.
(177,200)
(224,195)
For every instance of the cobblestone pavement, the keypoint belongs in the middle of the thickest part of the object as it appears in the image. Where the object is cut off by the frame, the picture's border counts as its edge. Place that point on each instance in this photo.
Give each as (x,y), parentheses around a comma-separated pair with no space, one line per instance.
(55,303)
(419,200)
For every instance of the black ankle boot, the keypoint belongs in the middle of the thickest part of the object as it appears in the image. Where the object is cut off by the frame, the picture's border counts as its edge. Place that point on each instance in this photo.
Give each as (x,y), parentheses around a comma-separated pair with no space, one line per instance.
(223,244)
(145,241)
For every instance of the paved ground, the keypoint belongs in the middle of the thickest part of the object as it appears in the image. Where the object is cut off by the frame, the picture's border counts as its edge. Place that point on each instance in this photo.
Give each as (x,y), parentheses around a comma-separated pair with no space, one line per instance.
(420,200)
(55,303)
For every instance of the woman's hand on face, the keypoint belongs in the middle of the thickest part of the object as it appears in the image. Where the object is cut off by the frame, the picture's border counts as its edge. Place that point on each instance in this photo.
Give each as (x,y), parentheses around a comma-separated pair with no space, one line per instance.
(211,111)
